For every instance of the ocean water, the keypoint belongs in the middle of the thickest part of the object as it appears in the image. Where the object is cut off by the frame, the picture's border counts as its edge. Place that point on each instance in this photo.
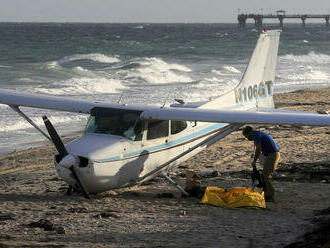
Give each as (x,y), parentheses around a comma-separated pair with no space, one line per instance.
(141,64)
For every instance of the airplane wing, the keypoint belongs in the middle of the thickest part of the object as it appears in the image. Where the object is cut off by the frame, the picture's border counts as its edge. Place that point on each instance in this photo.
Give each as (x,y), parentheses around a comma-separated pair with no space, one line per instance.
(14,98)
(271,116)
(236,116)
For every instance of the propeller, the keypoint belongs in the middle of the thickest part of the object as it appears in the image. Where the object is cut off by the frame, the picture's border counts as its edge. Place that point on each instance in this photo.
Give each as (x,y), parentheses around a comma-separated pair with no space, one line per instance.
(66,160)
(55,138)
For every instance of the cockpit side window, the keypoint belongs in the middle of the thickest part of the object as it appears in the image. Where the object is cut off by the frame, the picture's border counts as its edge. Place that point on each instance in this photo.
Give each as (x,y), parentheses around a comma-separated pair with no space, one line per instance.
(128,122)
(120,123)
(178,126)
(138,130)
(104,124)
(157,129)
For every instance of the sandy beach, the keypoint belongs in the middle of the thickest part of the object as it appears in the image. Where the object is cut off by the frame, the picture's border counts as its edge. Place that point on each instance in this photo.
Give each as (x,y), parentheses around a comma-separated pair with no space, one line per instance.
(36,212)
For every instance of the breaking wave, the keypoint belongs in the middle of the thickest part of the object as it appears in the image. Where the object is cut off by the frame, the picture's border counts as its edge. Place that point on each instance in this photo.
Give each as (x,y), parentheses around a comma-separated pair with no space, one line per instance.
(162,65)
(96,57)
(203,91)
(155,70)
(314,75)
(231,69)
(84,85)
(298,71)
(213,80)
(225,70)
(312,57)
(22,124)
(218,72)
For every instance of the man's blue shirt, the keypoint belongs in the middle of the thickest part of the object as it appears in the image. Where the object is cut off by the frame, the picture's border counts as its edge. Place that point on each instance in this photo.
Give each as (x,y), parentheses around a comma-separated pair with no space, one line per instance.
(268,144)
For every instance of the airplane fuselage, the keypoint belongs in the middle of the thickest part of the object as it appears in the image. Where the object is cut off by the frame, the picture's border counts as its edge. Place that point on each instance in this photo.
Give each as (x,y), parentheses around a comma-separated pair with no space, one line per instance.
(115,161)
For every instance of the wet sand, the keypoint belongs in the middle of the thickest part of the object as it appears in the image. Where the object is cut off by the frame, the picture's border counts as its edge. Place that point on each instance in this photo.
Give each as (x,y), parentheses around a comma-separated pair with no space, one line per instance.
(36,212)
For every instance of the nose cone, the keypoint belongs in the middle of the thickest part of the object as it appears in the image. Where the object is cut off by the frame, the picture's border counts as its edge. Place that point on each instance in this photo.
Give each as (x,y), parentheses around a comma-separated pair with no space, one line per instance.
(96,146)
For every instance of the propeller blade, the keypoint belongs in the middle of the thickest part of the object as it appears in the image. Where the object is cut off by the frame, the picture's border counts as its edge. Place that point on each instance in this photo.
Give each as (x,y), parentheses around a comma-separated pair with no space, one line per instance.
(55,137)
(63,152)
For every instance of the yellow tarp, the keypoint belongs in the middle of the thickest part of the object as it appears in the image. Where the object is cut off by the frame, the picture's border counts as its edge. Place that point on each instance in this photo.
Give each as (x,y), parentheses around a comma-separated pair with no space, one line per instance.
(236,197)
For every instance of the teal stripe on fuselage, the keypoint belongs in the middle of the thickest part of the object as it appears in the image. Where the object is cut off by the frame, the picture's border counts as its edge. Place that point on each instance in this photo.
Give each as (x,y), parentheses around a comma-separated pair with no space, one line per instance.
(168,144)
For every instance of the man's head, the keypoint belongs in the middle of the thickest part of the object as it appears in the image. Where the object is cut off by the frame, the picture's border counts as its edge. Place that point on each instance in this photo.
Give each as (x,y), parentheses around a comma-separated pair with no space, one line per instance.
(248,132)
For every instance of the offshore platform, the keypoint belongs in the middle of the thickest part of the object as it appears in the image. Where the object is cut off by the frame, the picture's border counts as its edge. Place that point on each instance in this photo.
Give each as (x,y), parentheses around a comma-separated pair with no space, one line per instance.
(280,15)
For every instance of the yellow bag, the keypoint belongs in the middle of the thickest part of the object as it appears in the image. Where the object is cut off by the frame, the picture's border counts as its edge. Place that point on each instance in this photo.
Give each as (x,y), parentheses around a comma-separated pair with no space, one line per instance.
(236,197)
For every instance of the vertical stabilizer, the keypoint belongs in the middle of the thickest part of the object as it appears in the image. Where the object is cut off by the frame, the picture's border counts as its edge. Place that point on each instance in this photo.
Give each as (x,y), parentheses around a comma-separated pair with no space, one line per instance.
(255,90)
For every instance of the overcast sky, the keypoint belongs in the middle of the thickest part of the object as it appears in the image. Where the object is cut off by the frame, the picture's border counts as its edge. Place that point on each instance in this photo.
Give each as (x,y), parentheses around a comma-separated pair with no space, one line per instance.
(149,10)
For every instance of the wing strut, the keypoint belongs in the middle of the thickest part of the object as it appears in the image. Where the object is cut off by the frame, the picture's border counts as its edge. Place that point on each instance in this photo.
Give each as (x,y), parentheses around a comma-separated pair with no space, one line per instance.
(164,174)
(16,109)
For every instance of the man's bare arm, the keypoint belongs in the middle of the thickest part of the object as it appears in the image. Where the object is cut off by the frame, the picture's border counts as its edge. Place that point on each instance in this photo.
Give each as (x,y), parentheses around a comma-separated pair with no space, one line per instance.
(256,154)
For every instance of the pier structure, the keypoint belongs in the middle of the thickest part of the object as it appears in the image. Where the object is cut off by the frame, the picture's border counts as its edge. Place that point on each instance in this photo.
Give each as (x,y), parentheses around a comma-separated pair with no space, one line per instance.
(280,15)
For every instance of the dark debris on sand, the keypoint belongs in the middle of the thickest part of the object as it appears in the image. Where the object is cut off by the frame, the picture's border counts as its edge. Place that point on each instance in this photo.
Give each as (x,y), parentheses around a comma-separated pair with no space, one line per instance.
(47,226)
(319,236)
(293,172)
(4,217)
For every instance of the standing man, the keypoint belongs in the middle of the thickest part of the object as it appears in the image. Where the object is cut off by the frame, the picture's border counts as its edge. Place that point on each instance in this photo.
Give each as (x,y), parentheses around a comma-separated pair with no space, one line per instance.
(266,145)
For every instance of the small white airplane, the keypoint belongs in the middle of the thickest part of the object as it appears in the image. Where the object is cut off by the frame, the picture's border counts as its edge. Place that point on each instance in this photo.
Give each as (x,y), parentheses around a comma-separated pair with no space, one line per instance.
(126,145)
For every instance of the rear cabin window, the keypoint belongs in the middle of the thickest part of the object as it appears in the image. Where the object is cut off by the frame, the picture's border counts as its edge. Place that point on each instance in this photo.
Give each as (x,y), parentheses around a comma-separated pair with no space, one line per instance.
(178,126)
(157,129)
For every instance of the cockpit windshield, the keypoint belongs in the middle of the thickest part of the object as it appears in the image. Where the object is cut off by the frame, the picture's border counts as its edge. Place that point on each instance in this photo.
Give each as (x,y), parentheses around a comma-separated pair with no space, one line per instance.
(121,123)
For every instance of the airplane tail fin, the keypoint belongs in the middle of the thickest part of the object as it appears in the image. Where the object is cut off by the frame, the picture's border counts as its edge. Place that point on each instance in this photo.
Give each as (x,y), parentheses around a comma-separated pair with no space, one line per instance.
(255,90)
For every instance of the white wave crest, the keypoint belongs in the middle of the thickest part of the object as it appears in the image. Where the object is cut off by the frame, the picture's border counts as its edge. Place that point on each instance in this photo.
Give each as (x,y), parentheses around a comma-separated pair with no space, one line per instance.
(139,27)
(84,85)
(313,75)
(231,69)
(26,80)
(97,57)
(52,65)
(152,76)
(15,125)
(226,70)
(83,71)
(312,57)
(213,80)
(218,72)
(204,92)
(154,70)
(79,69)
(161,65)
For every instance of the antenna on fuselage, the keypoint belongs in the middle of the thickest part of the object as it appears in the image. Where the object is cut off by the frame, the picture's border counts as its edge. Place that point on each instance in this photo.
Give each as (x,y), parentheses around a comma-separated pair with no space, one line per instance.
(168,95)
(121,96)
